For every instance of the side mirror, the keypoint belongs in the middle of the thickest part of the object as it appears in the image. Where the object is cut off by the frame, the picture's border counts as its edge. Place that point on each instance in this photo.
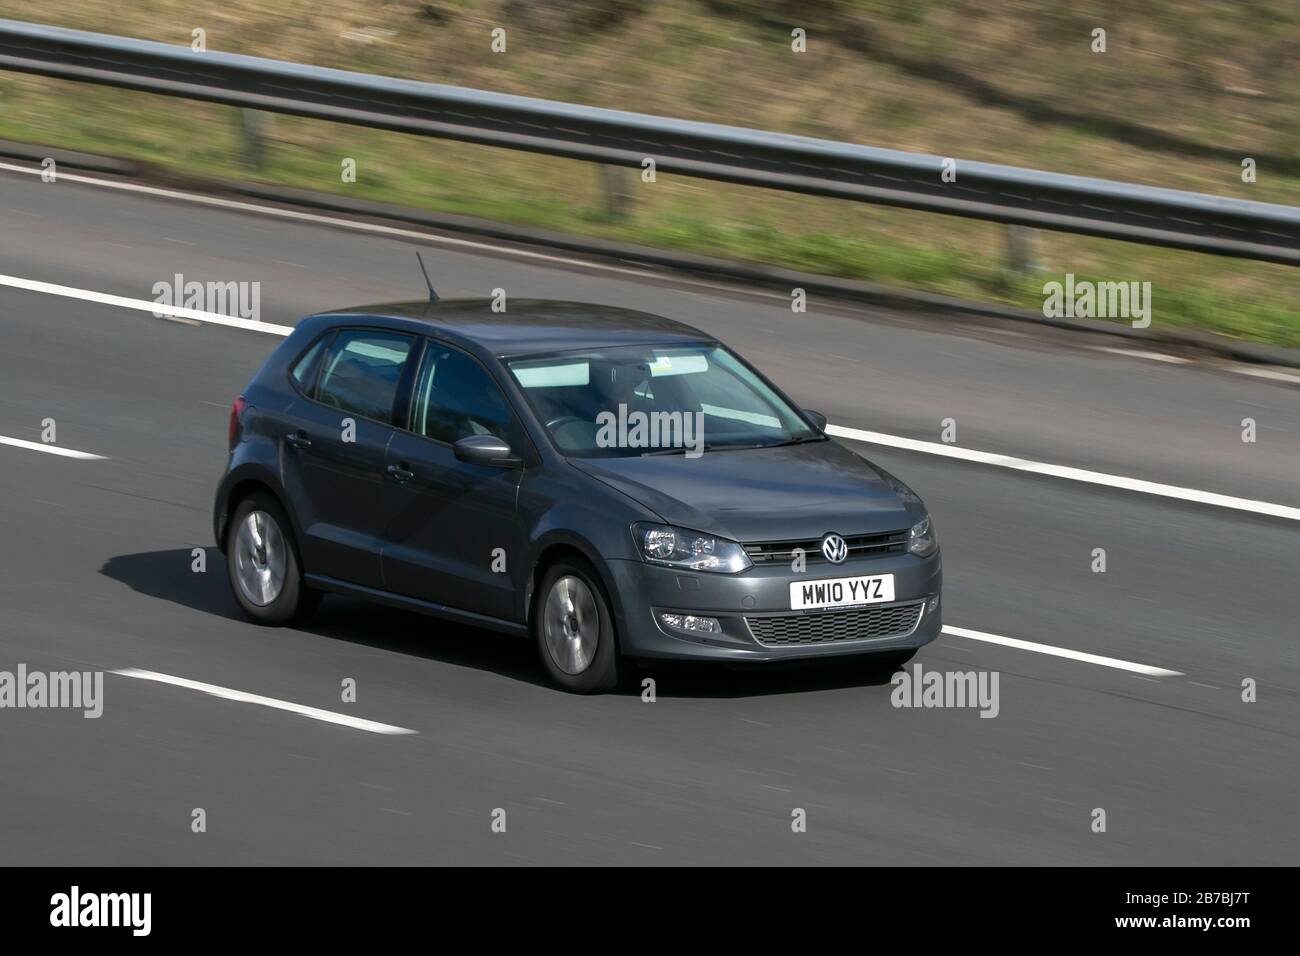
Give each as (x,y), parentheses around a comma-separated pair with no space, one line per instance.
(486,450)
(817,418)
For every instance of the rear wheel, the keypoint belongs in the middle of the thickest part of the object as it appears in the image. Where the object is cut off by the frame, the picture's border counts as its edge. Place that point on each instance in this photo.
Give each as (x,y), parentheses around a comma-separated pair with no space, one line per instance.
(262,559)
(575,629)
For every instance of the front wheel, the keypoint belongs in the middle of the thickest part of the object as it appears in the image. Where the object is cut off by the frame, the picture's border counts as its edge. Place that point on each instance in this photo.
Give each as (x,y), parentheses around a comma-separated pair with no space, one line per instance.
(262,559)
(575,629)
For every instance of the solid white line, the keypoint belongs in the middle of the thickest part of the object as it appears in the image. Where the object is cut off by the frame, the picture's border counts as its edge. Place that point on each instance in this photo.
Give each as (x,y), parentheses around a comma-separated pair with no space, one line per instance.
(1146,669)
(856,434)
(335,221)
(142,305)
(394,231)
(1265,373)
(225,693)
(1136,353)
(50,449)
(840,431)
(1070,474)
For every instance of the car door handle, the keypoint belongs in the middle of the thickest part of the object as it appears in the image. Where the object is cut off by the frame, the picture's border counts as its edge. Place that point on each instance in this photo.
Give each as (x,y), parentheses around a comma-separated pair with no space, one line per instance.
(297,440)
(401,473)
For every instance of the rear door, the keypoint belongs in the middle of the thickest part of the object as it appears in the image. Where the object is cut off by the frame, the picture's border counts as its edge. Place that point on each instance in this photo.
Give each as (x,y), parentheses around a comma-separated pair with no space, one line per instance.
(452,537)
(335,437)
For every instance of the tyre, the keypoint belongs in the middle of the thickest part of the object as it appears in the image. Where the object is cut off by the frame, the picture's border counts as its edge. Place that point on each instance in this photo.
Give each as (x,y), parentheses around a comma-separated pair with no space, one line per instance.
(262,560)
(575,629)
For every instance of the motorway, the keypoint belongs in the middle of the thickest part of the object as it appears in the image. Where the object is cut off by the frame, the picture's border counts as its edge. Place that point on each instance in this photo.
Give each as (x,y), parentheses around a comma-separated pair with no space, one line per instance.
(96,574)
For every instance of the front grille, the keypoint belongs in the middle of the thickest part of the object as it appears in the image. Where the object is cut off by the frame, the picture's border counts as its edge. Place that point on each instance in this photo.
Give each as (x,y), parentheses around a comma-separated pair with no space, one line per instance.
(860,546)
(830,627)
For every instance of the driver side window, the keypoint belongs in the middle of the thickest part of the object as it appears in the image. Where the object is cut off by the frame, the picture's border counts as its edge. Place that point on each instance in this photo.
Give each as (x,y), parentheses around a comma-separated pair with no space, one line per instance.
(455,398)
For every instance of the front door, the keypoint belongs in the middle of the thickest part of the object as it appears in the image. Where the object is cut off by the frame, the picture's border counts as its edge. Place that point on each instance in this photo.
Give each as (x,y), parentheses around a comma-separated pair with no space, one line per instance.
(452,536)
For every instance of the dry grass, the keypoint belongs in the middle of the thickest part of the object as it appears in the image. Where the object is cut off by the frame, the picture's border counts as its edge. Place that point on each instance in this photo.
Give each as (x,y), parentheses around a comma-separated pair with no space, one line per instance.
(1218,78)
(1185,90)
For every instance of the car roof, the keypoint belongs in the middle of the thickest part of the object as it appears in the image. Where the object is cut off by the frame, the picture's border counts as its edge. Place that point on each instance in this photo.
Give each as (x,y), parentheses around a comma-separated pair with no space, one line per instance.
(530,325)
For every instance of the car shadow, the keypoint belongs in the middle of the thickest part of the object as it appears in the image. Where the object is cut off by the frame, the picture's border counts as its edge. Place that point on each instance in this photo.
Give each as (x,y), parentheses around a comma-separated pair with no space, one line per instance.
(167,576)
(710,680)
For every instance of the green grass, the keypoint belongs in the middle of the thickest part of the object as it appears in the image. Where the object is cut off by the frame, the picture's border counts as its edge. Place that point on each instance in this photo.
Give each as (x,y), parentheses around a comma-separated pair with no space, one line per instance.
(724,61)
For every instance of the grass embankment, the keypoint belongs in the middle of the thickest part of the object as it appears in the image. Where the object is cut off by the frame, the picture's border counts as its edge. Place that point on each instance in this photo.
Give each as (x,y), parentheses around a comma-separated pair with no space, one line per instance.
(1183,93)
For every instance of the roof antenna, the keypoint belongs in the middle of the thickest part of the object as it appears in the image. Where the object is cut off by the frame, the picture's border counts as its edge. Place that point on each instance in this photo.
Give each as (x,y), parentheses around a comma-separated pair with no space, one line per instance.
(433,296)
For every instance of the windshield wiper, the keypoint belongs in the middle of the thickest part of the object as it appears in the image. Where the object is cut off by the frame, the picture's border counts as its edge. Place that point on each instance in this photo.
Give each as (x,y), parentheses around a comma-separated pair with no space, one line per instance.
(798,441)
(680,449)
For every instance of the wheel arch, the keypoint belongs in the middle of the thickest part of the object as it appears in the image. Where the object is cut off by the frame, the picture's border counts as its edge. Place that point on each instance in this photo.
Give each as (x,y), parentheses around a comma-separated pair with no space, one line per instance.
(554,549)
(238,487)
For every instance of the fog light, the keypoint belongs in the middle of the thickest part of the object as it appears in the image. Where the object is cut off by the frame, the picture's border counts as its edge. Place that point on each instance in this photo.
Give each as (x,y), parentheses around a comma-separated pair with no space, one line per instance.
(690,623)
(932,605)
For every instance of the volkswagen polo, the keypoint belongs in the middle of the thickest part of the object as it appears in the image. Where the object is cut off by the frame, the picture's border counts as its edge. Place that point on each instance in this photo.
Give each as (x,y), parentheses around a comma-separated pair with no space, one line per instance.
(612,484)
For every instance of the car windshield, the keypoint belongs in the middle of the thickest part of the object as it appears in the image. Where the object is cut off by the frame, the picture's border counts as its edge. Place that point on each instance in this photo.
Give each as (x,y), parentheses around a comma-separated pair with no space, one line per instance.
(639,400)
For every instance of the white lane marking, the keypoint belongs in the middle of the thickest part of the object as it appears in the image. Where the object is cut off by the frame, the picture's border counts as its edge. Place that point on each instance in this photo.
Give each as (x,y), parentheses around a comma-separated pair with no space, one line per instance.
(397,232)
(334,221)
(142,305)
(1015,642)
(51,449)
(1136,353)
(840,431)
(1265,373)
(225,693)
(1070,474)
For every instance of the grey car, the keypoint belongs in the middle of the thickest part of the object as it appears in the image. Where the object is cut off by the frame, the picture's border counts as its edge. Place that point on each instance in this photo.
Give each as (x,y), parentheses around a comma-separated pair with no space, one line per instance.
(612,484)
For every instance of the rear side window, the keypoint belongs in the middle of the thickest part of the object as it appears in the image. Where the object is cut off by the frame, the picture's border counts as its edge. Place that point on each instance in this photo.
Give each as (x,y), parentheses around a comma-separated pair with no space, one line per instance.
(361,372)
(304,372)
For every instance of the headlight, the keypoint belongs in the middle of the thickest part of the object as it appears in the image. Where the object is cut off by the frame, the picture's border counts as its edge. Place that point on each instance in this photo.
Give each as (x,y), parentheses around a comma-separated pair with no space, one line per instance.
(679,548)
(921,540)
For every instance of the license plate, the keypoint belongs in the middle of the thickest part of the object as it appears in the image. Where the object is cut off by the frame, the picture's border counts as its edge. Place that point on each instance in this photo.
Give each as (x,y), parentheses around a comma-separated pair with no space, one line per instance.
(842,592)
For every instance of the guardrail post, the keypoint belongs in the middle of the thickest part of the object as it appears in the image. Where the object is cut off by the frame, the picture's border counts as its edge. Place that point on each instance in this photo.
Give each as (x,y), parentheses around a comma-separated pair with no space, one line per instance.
(1020,249)
(617,183)
(255,129)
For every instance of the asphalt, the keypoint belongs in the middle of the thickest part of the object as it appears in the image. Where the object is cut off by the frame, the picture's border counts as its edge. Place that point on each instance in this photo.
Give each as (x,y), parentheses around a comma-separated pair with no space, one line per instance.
(96,574)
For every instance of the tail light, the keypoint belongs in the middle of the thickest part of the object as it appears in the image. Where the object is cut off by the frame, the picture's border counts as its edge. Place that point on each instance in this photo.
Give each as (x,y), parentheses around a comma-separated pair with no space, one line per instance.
(236,409)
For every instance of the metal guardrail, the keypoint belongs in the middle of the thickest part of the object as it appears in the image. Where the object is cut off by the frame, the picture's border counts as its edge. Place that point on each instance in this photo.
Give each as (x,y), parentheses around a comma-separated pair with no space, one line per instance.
(1007,194)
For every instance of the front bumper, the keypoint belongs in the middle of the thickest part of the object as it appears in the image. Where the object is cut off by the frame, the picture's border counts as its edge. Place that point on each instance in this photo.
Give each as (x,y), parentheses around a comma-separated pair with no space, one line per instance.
(643,591)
